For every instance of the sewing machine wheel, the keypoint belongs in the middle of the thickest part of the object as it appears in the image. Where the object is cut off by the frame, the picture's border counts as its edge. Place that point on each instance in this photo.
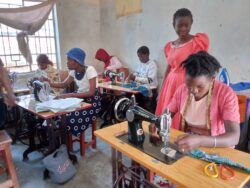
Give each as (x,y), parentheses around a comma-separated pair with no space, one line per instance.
(121,108)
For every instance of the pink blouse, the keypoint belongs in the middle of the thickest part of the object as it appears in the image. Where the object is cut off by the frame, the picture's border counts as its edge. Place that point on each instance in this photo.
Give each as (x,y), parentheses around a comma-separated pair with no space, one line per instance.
(224,106)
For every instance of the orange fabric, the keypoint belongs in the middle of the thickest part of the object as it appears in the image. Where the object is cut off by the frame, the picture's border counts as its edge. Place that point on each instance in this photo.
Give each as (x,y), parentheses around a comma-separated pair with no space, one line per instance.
(242,107)
(175,56)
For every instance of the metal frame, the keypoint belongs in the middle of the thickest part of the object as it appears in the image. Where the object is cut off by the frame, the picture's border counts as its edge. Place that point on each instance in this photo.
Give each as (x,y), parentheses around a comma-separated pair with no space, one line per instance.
(45,37)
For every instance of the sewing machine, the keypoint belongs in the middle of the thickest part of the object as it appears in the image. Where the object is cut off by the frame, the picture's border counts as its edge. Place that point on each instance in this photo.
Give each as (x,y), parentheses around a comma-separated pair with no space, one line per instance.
(158,146)
(112,75)
(135,115)
(41,89)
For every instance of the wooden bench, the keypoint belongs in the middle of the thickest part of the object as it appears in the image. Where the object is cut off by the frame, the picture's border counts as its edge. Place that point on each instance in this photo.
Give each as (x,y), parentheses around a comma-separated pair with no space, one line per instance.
(5,141)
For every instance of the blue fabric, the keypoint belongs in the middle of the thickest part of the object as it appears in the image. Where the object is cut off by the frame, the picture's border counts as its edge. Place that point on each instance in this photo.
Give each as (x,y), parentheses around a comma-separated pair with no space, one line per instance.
(133,85)
(77,54)
(240,86)
(198,154)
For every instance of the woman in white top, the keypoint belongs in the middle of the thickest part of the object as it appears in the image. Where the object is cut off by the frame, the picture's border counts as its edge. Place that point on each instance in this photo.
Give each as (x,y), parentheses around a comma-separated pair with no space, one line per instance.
(85,78)
(146,74)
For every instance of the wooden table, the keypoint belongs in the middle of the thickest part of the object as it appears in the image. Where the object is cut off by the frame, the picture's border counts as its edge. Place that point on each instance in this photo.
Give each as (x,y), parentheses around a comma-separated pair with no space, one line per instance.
(108,86)
(28,103)
(186,172)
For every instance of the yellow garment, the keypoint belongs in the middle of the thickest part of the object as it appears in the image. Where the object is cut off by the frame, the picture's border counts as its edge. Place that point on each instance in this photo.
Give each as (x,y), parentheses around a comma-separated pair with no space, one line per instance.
(52,74)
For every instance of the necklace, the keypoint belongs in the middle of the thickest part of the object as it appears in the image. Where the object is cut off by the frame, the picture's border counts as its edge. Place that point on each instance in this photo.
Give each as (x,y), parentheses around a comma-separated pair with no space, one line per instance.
(80,75)
(209,98)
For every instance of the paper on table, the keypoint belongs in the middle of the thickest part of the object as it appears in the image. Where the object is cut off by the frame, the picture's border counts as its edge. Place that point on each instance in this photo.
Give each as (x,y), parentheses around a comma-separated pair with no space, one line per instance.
(59,105)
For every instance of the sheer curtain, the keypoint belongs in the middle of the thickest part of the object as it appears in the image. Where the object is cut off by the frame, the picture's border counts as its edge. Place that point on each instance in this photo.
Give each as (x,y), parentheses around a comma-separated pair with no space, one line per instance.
(28,20)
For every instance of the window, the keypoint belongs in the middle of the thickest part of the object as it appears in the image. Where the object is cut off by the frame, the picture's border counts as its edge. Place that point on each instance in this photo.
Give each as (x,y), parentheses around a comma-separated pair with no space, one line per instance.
(43,41)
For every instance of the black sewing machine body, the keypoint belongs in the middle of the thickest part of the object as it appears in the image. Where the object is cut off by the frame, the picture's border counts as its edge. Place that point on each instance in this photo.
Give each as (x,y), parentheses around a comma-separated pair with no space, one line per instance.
(112,76)
(156,145)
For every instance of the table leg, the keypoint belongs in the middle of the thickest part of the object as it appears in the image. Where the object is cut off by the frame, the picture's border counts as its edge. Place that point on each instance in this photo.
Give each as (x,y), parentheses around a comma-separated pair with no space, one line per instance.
(114,165)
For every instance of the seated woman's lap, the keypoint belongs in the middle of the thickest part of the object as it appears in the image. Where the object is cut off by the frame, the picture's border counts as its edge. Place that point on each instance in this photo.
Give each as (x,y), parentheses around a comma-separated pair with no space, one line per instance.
(79,121)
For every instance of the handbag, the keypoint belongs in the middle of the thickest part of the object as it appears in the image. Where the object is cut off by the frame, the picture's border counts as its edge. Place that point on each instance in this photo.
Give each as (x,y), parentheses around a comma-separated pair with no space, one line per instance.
(59,165)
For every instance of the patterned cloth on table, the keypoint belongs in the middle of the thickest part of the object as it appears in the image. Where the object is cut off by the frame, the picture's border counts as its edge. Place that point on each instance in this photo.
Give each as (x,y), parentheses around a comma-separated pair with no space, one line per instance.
(79,121)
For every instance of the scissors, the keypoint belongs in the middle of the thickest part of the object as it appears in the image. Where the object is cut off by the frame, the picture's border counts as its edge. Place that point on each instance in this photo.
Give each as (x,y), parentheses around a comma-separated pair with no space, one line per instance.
(212,170)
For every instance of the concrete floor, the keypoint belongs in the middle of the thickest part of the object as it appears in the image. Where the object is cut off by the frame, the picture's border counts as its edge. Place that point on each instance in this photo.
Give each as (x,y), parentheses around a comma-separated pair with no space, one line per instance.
(93,170)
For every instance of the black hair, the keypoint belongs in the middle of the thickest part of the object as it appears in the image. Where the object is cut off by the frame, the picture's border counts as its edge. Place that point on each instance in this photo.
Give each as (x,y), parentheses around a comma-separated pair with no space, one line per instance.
(143,50)
(201,64)
(182,13)
(43,58)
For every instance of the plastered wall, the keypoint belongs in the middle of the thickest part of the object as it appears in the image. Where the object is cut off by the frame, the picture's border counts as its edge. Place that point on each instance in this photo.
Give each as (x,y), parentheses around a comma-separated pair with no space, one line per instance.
(79,26)
(91,24)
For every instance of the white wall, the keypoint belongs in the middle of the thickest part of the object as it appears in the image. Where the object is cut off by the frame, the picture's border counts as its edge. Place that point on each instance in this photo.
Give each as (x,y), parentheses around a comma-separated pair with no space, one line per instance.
(225,21)
(79,26)
(91,24)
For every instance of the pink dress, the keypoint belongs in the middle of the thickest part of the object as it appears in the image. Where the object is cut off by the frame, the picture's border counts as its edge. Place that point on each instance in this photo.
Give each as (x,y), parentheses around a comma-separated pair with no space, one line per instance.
(175,56)
(224,106)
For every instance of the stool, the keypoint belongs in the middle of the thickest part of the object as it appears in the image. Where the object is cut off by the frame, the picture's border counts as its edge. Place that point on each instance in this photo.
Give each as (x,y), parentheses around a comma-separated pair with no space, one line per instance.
(81,139)
(5,141)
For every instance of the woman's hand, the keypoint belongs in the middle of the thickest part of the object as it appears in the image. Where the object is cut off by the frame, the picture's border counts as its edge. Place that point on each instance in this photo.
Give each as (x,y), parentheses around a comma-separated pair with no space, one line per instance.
(44,79)
(10,100)
(188,142)
(64,96)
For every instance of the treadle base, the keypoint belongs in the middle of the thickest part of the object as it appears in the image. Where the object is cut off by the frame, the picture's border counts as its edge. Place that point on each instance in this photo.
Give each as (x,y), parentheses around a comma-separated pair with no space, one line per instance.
(153,145)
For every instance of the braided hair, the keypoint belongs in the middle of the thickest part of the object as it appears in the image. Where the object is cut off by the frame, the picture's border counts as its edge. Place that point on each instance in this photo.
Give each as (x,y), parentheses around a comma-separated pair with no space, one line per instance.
(182,13)
(201,64)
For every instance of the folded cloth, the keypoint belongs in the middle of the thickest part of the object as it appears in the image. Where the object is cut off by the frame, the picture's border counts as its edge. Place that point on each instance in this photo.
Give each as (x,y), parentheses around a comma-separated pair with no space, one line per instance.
(240,86)
(198,154)
(59,105)
(134,86)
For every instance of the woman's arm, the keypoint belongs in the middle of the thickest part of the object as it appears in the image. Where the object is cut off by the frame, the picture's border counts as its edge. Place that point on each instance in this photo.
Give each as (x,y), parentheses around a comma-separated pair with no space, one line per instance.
(228,139)
(10,100)
(63,84)
(90,93)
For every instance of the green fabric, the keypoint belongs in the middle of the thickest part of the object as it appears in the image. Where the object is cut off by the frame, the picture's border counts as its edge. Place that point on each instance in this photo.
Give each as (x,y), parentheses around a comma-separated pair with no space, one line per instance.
(198,154)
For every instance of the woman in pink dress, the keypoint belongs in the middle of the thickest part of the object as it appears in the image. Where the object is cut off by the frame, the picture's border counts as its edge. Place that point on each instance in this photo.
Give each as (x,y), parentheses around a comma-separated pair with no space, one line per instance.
(176,52)
(209,108)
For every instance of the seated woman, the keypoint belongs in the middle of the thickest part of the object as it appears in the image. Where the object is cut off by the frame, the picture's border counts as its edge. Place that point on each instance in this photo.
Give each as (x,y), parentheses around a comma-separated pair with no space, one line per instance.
(46,70)
(85,78)
(110,62)
(209,108)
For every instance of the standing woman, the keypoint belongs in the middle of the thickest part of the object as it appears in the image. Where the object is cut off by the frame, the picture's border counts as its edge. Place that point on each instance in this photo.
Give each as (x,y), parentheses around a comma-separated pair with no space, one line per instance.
(85,78)
(7,96)
(176,52)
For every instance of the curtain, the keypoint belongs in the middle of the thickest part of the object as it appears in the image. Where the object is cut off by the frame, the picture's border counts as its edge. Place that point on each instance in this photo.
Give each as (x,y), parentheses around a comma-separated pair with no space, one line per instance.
(28,20)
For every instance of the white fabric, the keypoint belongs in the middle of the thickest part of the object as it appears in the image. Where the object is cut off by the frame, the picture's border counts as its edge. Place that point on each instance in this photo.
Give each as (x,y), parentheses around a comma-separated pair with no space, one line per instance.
(147,71)
(83,84)
(114,64)
(56,105)
(28,20)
